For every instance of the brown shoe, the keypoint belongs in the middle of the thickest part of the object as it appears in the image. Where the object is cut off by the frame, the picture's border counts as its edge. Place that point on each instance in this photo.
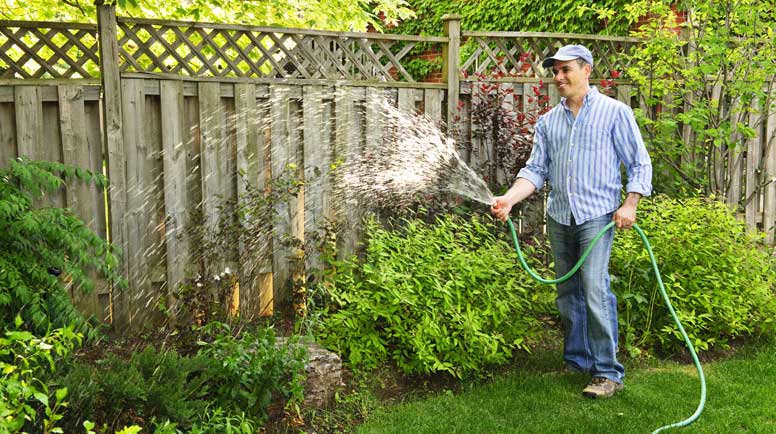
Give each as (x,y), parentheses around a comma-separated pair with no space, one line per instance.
(600,387)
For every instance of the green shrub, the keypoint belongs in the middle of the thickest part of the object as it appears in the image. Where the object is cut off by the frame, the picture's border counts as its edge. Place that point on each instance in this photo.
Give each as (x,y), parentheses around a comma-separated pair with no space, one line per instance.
(35,240)
(442,297)
(252,370)
(719,278)
(28,402)
(231,380)
(151,384)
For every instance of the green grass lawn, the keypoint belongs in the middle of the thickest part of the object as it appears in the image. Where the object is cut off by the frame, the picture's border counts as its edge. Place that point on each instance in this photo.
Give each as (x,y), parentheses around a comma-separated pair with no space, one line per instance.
(536,397)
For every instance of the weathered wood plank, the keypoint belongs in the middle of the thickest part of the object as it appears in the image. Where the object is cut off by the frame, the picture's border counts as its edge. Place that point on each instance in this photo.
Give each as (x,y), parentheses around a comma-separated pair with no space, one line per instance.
(213,154)
(249,167)
(735,158)
(296,205)
(769,193)
(79,195)
(432,101)
(451,55)
(29,122)
(282,156)
(264,152)
(753,163)
(153,185)
(114,141)
(50,147)
(176,199)
(7,134)
(346,148)
(139,202)
(72,122)
(48,88)
(407,101)
(98,198)
(229,195)
(317,159)
(624,94)
(97,157)
(552,92)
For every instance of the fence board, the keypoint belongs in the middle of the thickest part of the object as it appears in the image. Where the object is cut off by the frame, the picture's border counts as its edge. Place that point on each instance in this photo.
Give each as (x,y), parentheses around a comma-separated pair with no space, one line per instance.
(96,165)
(139,216)
(75,150)
(346,148)
(753,163)
(264,152)
(432,104)
(50,147)
(98,196)
(317,160)
(247,137)
(7,134)
(769,199)
(29,122)
(176,198)
(154,187)
(735,159)
(213,154)
(406,101)
(624,93)
(282,154)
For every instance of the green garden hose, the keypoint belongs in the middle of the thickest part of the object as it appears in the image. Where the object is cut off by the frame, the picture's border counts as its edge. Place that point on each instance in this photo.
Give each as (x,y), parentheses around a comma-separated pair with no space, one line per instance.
(568,275)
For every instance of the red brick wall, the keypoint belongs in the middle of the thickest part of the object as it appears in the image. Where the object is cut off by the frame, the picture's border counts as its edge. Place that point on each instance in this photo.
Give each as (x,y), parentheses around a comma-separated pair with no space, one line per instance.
(681,18)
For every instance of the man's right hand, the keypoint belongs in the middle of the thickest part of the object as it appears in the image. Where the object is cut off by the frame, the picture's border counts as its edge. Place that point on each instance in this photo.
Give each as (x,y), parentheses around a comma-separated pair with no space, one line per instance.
(501,207)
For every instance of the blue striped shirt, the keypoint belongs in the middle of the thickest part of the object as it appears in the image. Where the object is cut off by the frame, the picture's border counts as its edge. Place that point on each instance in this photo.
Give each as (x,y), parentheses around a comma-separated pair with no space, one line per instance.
(581,158)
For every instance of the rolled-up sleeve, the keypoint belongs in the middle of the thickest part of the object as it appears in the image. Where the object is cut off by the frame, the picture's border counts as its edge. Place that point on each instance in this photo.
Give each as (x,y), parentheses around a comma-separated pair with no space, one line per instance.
(536,167)
(631,150)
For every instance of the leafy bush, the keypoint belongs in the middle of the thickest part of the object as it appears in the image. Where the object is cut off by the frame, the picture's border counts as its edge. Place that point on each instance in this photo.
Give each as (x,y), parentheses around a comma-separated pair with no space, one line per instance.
(718,277)
(36,240)
(27,400)
(154,384)
(231,380)
(442,297)
(252,370)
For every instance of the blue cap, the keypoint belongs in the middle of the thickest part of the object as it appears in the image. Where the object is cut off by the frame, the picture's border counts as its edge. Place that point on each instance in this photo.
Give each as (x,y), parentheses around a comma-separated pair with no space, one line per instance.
(569,52)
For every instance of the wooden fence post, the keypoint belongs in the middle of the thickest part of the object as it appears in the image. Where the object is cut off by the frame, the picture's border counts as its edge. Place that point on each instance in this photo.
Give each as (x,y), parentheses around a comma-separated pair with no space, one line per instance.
(450,68)
(107,31)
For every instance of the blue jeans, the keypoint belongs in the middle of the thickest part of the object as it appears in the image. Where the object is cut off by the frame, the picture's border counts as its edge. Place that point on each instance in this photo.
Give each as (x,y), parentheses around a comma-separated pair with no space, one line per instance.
(587,306)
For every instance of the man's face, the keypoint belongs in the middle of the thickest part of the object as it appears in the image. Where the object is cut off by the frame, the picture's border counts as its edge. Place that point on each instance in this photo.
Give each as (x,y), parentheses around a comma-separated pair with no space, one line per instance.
(571,78)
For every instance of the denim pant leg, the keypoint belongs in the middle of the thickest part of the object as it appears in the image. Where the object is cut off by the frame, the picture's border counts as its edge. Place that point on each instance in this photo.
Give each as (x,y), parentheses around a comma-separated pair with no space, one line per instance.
(587,307)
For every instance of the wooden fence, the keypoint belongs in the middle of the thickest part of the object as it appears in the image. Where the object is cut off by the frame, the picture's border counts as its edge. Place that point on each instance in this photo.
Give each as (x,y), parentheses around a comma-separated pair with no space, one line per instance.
(178,114)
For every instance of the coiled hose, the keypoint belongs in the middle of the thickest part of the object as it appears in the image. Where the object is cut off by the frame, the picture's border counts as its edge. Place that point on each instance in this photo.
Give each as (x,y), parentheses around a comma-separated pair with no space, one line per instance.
(571,272)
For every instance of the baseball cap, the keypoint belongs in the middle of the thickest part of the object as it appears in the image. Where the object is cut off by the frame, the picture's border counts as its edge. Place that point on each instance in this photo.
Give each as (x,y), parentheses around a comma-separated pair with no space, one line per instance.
(569,52)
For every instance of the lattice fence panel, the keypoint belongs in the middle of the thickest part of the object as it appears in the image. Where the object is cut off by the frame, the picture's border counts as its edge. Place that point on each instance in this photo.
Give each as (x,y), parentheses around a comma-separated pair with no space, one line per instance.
(48,50)
(523,54)
(198,49)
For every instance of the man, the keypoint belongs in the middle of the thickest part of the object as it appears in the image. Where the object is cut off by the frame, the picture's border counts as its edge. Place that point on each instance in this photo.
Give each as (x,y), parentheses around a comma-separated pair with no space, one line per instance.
(578,147)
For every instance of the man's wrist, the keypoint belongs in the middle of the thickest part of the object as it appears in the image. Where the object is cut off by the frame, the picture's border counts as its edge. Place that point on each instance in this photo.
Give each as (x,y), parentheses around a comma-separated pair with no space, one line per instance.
(632,199)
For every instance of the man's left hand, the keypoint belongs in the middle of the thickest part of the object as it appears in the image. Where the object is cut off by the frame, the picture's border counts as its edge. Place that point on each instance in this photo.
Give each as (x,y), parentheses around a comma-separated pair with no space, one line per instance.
(625,217)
